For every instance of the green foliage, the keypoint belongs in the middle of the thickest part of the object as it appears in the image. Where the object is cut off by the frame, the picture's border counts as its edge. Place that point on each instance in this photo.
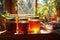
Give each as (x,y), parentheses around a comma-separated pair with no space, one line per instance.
(57,2)
(4,14)
(46,10)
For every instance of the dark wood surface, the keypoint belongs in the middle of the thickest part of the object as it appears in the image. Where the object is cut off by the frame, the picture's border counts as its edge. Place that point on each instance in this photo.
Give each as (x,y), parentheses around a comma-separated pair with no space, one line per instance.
(52,36)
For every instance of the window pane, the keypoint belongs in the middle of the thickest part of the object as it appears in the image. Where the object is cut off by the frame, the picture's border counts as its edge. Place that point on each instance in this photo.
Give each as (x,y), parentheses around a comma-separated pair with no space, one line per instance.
(25,7)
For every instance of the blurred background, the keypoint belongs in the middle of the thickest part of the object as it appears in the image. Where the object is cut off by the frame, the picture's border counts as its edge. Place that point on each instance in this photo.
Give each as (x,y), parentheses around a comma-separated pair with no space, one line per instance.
(47,10)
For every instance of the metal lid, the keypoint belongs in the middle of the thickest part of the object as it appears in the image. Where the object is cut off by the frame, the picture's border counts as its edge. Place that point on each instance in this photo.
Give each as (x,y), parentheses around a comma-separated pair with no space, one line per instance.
(11,19)
(35,17)
(23,19)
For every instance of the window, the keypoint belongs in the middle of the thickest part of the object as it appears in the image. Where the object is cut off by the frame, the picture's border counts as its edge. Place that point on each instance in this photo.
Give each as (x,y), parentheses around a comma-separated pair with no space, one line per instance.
(25,7)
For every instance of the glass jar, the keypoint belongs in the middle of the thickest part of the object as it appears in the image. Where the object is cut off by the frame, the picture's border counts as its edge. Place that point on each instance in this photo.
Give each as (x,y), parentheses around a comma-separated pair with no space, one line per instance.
(11,25)
(34,25)
(23,26)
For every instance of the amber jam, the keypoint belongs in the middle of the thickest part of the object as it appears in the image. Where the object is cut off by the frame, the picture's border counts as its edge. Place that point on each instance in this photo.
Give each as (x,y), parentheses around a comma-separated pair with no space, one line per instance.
(34,25)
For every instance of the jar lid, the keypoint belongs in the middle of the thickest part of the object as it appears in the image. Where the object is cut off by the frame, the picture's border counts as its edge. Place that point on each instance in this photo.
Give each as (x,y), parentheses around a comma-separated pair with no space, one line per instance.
(23,19)
(35,17)
(11,19)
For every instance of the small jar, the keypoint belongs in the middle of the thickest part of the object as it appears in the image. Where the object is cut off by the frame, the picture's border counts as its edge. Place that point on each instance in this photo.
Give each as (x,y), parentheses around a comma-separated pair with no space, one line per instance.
(11,25)
(34,25)
(23,26)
